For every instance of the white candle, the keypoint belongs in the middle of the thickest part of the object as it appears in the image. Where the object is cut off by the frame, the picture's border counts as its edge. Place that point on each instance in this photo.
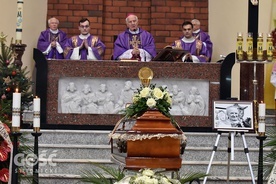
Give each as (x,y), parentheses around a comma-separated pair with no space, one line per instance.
(36,102)
(261,109)
(261,127)
(16,106)
(19,20)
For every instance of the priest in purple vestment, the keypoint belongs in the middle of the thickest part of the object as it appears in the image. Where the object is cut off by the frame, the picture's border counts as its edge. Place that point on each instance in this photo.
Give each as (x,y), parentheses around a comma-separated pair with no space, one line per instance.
(51,41)
(134,43)
(84,46)
(197,51)
(203,36)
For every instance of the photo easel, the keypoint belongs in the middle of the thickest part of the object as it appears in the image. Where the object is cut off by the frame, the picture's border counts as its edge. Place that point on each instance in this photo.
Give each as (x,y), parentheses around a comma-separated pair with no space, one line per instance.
(230,153)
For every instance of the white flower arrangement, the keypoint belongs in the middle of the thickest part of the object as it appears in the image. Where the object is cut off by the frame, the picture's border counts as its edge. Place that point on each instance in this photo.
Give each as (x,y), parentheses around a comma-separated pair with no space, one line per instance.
(150,98)
(148,176)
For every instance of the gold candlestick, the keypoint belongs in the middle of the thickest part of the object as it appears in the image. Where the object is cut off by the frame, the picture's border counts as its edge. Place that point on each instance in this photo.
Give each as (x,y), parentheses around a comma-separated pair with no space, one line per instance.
(15,129)
(36,129)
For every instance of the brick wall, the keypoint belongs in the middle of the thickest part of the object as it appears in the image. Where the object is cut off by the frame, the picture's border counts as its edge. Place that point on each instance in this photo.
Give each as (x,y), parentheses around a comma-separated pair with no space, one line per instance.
(162,18)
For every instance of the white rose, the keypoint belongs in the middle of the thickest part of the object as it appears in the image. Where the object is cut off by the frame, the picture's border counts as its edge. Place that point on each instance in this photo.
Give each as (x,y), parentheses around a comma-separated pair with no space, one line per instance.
(151,102)
(166,94)
(157,93)
(153,181)
(141,179)
(145,92)
(149,180)
(148,172)
(169,100)
(167,97)
(135,99)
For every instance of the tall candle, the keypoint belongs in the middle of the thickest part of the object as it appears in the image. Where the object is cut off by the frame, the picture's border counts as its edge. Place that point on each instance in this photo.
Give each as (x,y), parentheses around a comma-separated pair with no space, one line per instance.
(36,102)
(19,21)
(16,106)
(261,109)
(261,127)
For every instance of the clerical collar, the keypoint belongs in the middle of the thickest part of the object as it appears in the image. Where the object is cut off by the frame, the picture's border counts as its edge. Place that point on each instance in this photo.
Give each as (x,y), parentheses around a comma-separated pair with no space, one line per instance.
(54,31)
(197,31)
(188,40)
(84,36)
(134,32)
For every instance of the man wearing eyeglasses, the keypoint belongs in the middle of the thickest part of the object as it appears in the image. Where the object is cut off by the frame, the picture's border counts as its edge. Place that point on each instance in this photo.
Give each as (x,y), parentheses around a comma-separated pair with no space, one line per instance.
(199,34)
(197,50)
(84,46)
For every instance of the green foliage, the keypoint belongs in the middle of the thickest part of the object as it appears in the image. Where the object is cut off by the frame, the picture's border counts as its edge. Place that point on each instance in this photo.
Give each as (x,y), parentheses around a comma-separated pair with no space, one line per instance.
(191,176)
(270,158)
(102,175)
(12,77)
(109,175)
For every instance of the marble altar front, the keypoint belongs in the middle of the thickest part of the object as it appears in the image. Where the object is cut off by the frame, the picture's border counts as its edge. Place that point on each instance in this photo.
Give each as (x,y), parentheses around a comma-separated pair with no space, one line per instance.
(91,92)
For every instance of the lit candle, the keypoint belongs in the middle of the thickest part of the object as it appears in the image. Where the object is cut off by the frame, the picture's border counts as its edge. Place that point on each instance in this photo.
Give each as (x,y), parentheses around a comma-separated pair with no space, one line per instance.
(261,109)
(16,106)
(19,20)
(36,102)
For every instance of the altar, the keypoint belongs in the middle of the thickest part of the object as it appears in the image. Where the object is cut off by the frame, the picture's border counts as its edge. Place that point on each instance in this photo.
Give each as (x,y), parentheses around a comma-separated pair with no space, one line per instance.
(54,76)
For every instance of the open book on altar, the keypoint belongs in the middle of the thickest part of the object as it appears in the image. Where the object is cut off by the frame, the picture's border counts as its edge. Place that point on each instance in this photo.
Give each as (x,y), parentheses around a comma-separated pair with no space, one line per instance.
(169,54)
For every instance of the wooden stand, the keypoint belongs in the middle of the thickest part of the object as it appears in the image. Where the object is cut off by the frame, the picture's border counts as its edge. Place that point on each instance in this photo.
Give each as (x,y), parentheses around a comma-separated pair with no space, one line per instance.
(155,152)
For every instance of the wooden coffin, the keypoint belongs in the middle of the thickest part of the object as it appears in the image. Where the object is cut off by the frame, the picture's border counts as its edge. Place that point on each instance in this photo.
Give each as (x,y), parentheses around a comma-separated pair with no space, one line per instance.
(161,150)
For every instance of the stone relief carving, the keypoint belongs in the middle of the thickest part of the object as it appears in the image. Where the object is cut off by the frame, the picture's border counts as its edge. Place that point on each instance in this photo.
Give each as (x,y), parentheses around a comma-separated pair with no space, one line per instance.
(71,99)
(110,96)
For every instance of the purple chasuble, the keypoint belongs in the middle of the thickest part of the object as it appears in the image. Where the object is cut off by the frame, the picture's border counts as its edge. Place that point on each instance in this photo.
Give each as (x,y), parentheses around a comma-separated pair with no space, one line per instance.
(45,39)
(94,42)
(123,43)
(204,37)
(191,47)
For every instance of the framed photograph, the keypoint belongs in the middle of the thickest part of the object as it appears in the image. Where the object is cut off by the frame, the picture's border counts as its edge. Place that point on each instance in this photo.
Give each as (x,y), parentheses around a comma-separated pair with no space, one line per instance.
(233,115)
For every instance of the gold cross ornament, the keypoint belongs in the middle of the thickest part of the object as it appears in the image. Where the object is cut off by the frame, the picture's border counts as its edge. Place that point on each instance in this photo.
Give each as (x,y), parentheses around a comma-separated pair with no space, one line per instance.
(135,42)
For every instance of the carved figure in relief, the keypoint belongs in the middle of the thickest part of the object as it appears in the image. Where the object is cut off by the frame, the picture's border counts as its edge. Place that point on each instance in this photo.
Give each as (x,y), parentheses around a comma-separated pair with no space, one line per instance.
(88,105)
(125,97)
(70,102)
(101,97)
(109,105)
(178,100)
(199,102)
